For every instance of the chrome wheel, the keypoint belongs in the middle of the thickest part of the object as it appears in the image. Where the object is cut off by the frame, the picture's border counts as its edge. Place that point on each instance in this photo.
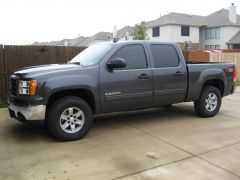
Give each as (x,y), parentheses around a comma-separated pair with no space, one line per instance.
(72,120)
(211,102)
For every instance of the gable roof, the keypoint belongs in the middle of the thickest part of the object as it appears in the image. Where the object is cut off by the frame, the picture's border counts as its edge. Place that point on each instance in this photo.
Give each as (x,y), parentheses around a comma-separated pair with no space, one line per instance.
(235,39)
(124,30)
(86,41)
(102,36)
(179,19)
(74,42)
(218,18)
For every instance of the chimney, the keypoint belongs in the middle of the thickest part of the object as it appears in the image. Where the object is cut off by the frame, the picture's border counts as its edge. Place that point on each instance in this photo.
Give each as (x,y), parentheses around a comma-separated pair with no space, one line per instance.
(232,13)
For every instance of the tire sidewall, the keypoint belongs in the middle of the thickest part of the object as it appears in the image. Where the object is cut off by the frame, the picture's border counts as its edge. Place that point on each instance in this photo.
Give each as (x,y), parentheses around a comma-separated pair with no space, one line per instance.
(55,113)
(207,90)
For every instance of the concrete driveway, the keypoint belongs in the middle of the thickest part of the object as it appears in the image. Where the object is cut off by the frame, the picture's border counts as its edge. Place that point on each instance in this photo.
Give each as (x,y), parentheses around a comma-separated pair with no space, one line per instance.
(158,143)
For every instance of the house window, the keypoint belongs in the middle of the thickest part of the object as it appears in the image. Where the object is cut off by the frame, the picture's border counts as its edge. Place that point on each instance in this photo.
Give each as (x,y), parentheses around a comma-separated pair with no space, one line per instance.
(207,47)
(217,46)
(212,33)
(212,47)
(185,31)
(156,32)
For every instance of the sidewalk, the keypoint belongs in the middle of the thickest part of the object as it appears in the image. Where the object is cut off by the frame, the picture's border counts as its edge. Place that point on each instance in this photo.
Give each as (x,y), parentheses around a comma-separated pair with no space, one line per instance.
(238,89)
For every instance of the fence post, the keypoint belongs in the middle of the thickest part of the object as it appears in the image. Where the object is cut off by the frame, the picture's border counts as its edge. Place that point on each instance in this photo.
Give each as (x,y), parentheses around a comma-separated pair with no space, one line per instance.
(2,76)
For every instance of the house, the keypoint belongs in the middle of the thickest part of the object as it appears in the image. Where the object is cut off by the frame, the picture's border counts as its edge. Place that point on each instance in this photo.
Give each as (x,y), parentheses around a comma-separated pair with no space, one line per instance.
(219,30)
(122,34)
(97,38)
(125,33)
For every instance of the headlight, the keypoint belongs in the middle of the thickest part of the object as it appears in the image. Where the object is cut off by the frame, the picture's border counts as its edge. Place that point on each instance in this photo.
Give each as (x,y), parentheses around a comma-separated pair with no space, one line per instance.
(27,87)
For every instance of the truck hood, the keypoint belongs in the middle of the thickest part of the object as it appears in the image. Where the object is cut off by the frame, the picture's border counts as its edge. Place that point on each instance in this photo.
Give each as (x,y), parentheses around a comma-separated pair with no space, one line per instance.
(44,69)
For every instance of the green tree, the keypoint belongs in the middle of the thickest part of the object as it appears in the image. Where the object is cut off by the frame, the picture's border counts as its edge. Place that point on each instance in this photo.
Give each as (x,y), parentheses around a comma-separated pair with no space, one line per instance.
(140,31)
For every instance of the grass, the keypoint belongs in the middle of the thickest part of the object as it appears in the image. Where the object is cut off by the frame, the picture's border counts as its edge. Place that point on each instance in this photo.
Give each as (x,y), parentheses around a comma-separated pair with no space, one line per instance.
(3,105)
(238,83)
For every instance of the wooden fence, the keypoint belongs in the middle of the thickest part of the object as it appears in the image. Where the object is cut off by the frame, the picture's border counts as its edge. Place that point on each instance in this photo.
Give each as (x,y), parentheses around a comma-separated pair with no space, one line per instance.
(2,79)
(226,56)
(15,57)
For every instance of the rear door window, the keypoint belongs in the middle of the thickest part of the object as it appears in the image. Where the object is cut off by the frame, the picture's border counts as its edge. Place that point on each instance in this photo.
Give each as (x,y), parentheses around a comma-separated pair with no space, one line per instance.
(164,56)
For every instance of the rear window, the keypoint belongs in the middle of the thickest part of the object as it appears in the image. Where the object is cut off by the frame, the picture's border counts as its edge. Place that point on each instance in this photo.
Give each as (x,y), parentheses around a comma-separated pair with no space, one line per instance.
(164,56)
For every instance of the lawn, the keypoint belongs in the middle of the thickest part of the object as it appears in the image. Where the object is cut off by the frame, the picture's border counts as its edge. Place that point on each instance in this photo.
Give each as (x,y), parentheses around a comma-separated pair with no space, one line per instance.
(238,83)
(3,105)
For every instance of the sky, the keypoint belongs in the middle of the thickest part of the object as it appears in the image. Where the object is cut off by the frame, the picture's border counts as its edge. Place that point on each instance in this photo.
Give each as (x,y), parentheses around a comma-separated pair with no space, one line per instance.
(27,21)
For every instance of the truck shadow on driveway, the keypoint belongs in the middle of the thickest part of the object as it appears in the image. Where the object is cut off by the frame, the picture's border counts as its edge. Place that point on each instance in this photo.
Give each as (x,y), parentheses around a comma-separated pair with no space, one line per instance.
(38,132)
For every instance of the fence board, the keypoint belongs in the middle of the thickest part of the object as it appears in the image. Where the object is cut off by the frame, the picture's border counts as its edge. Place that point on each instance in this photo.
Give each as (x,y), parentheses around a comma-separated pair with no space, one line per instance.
(13,58)
(2,81)
(227,57)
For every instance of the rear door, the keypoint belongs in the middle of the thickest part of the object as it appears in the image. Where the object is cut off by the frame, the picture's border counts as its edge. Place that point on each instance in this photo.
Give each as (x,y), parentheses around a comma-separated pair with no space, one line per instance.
(127,88)
(169,75)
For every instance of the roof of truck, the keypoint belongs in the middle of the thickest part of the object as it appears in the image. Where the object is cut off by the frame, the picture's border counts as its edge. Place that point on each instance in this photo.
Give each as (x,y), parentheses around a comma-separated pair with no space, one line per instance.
(138,41)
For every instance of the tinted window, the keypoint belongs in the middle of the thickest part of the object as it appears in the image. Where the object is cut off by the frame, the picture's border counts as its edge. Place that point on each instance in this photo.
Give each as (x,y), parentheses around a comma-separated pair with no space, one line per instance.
(134,56)
(185,31)
(155,32)
(164,56)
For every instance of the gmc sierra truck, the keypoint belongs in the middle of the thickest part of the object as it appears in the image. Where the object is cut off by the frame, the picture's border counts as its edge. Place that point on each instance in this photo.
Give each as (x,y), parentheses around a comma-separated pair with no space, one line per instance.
(112,77)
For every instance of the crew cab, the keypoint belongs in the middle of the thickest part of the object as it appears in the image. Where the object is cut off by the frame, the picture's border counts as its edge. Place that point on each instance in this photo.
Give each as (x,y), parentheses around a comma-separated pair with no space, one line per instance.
(112,77)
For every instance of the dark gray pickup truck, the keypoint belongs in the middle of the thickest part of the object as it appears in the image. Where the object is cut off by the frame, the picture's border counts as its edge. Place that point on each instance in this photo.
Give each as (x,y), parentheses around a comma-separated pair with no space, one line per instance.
(113,77)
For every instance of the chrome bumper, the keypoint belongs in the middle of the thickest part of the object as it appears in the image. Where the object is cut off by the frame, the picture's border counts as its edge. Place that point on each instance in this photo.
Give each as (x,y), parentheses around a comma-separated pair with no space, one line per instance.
(27,113)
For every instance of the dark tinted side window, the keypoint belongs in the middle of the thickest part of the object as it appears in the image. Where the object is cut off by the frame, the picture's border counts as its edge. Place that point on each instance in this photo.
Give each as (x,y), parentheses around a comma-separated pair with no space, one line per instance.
(134,56)
(164,56)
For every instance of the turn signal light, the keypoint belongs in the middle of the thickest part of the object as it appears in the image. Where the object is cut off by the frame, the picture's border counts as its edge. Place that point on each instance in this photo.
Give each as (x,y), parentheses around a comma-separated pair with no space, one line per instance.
(32,87)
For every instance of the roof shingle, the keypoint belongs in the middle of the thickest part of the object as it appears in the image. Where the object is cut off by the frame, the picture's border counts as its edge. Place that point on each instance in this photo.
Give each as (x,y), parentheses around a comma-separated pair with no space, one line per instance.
(218,18)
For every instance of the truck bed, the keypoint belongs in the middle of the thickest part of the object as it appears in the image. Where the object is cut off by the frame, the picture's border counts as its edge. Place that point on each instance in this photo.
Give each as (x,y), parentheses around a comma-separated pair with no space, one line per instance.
(215,70)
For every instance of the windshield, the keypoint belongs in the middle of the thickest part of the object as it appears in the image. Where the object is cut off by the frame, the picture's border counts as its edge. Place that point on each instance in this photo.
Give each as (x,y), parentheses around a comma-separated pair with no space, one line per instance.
(92,55)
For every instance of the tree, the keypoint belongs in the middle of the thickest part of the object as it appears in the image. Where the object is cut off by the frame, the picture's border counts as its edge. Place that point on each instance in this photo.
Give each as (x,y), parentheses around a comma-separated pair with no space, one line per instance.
(140,31)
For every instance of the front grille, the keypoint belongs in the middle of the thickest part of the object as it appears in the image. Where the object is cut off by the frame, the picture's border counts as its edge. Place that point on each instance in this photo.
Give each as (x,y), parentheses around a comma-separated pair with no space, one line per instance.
(13,86)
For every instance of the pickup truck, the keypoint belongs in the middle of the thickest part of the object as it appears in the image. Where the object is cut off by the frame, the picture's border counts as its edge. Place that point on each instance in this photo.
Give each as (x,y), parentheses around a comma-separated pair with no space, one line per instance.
(112,77)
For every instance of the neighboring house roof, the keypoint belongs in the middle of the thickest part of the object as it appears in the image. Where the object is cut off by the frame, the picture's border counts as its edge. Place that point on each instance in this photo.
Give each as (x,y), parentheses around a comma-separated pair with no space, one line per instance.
(102,36)
(74,42)
(87,41)
(62,42)
(179,19)
(235,39)
(218,18)
(122,32)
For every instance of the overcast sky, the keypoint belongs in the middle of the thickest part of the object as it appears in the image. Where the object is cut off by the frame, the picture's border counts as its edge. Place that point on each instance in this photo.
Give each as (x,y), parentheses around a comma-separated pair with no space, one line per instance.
(26,21)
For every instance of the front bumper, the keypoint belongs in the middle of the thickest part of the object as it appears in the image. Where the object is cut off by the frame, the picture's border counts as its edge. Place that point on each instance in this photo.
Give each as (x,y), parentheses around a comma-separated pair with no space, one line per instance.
(27,113)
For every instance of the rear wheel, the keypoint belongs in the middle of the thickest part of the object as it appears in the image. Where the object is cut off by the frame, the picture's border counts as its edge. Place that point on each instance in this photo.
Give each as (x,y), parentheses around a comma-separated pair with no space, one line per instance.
(209,102)
(69,118)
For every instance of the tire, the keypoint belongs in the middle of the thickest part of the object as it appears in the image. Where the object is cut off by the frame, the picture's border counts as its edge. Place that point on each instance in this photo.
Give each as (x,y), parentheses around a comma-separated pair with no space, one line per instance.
(209,102)
(69,118)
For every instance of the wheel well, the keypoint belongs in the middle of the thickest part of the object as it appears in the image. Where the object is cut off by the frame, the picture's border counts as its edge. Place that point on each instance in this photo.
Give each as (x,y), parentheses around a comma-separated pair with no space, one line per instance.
(218,83)
(82,93)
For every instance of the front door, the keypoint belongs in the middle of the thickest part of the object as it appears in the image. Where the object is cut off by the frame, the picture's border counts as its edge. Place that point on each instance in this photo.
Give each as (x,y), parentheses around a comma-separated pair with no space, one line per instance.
(128,88)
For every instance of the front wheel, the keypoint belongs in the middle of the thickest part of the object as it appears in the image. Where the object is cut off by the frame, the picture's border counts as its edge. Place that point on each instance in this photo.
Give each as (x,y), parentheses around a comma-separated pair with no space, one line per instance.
(209,102)
(69,118)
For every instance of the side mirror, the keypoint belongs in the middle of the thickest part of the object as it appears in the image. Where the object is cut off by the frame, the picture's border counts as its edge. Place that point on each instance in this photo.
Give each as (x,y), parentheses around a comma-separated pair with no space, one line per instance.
(116,63)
